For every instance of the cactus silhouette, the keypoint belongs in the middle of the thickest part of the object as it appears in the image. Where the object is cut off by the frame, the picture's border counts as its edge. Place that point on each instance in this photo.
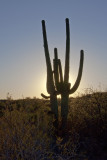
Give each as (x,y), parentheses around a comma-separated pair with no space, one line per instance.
(57,83)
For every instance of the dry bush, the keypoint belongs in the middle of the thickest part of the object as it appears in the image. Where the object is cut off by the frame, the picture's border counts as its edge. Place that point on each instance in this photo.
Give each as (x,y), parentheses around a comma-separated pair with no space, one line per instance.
(24,135)
(27,130)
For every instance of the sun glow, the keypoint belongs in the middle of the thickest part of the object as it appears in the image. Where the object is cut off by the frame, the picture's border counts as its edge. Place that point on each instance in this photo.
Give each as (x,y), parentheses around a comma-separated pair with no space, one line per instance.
(42,86)
(72,81)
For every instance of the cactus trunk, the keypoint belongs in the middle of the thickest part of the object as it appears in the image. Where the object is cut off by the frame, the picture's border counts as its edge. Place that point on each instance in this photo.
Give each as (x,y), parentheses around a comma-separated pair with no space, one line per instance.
(54,108)
(64,109)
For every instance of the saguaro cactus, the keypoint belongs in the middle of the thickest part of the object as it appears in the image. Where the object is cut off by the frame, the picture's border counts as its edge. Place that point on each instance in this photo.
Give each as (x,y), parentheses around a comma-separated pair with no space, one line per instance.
(56,82)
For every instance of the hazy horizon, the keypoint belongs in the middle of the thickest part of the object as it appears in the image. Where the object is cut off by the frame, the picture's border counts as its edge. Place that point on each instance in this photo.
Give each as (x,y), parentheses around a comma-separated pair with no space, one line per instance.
(22,58)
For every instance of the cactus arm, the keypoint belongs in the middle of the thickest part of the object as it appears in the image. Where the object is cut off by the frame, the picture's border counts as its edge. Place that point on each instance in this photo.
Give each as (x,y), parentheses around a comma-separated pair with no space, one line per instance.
(46,45)
(60,70)
(44,96)
(50,83)
(74,88)
(55,66)
(66,74)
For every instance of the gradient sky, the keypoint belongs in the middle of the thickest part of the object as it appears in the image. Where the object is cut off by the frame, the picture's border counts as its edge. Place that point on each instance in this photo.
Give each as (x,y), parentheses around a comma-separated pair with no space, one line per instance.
(22,59)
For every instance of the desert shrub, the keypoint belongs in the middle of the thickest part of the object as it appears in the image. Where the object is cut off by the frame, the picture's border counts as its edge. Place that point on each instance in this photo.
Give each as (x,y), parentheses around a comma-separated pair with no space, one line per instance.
(27,130)
(22,137)
(88,118)
(88,111)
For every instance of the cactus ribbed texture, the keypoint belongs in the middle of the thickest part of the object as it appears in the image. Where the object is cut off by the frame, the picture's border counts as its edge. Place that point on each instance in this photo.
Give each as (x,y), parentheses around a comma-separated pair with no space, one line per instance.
(56,82)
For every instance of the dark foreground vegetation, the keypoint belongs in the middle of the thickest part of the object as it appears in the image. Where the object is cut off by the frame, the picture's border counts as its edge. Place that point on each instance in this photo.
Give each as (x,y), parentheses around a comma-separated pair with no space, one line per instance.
(27,130)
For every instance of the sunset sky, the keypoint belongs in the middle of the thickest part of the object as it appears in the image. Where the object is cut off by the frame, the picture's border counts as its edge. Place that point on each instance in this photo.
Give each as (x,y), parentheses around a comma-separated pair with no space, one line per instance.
(22,59)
